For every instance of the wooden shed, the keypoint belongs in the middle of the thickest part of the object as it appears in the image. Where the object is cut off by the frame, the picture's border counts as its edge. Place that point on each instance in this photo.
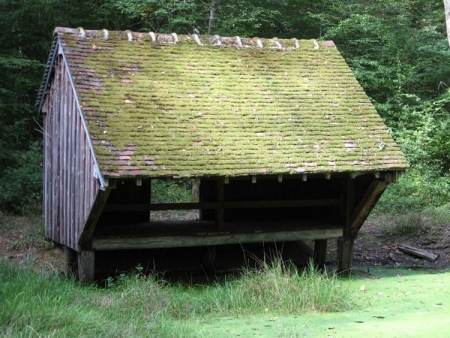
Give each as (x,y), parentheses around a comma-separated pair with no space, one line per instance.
(284,141)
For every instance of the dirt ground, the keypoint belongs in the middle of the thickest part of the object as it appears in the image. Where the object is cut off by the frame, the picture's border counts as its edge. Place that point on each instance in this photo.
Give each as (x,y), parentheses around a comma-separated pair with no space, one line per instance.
(22,243)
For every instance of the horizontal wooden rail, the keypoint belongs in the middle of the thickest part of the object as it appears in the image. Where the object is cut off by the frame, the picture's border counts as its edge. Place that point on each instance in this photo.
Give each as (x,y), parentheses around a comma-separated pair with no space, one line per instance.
(218,238)
(224,205)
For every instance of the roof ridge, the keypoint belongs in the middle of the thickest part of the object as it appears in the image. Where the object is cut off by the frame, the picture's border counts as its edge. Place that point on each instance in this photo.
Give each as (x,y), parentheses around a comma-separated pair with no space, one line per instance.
(201,40)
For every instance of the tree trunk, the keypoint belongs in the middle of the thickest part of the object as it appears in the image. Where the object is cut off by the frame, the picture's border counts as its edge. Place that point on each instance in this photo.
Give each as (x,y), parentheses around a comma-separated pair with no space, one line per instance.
(447,18)
(212,15)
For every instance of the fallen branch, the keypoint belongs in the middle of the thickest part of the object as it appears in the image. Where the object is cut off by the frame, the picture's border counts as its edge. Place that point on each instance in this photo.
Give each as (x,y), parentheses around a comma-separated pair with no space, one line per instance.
(410,250)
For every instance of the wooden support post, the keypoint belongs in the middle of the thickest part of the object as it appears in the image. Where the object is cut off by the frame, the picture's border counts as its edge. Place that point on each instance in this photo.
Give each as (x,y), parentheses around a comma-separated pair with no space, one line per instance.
(70,257)
(345,254)
(86,266)
(345,243)
(320,253)
(220,200)
(209,259)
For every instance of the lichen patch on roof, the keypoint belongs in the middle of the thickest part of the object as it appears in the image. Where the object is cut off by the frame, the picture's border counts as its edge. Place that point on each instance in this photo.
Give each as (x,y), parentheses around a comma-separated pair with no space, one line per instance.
(177,105)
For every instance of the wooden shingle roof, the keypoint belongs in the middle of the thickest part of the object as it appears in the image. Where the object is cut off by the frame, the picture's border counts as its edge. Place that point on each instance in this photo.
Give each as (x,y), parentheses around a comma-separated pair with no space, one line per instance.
(177,105)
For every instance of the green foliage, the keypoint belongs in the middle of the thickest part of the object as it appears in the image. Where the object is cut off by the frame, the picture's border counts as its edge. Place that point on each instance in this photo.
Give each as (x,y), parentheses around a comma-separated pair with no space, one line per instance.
(161,16)
(416,224)
(179,191)
(397,49)
(22,181)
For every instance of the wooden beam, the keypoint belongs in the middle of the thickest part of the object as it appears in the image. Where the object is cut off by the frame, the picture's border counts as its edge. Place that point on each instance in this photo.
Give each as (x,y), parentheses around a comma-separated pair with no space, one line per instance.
(70,257)
(365,206)
(349,204)
(86,266)
(226,205)
(320,253)
(345,254)
(209,259)
(220,203)
(416,252)
(126,243)
(94,215)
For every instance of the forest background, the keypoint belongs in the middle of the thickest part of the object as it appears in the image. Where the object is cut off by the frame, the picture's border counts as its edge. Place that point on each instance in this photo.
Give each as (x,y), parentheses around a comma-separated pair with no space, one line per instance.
(398,50)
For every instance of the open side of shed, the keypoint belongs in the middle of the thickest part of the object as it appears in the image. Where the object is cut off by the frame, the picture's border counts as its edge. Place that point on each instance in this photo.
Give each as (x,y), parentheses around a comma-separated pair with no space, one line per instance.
(283,140)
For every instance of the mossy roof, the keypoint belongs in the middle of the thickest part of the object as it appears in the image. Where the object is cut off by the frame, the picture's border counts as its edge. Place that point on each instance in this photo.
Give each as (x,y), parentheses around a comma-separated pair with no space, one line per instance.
(165,105)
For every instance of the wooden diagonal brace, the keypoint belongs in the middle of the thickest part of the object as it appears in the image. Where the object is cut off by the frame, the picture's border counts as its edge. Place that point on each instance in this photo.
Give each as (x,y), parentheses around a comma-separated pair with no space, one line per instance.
(97,208)
(362,210)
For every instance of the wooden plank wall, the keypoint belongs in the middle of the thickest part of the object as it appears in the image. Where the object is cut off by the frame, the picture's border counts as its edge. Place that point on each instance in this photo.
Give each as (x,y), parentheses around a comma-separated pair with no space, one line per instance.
(70,187)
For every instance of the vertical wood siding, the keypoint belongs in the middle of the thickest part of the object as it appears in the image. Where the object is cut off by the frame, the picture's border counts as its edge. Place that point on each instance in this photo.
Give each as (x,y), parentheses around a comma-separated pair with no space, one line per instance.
(70,187)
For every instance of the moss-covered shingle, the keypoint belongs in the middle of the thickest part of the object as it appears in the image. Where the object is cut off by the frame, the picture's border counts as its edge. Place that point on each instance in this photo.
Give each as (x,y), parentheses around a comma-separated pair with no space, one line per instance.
(159,108)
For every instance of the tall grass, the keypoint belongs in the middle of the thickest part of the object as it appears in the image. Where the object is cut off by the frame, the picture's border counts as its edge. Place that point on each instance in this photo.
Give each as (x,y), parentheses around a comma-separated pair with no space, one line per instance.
(46,304)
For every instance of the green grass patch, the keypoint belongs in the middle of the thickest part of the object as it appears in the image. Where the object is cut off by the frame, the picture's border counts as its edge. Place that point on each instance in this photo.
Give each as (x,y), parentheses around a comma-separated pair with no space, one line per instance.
(272,301)
(23,230)
(48,304)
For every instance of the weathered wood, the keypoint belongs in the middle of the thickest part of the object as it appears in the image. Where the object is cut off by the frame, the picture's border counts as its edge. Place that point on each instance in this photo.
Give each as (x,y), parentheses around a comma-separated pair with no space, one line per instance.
(345,254)
(365,206)
(220,204)
(69,186)
(86,266)
(206,239)
(348,202)
(96,211)
(416,252)
(226,205)
(71,263)
(320,253)
(209,259)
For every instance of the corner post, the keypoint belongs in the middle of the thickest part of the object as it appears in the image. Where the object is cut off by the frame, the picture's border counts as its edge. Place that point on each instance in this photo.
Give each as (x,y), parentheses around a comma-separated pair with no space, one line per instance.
(86,266)
(320,253)
(220,200)
(345,244)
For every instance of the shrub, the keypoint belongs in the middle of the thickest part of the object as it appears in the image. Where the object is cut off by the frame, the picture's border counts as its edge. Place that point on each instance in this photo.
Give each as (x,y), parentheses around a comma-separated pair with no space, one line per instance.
(22,182)
(428,222)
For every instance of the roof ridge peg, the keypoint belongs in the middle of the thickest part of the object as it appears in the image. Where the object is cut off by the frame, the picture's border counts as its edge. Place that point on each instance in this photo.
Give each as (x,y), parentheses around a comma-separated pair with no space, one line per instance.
(175,37)
(216,41)
(239,41)
(82,32)
(277,43)
(316,44)
(129,35)
(197,39)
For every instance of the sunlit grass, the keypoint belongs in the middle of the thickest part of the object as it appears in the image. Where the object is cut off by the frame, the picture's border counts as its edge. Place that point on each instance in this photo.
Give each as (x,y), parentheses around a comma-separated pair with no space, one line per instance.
(48,304)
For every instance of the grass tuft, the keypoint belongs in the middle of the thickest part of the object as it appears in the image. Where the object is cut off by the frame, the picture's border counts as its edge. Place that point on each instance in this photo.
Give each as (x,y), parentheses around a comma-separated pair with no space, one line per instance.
(48,304)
